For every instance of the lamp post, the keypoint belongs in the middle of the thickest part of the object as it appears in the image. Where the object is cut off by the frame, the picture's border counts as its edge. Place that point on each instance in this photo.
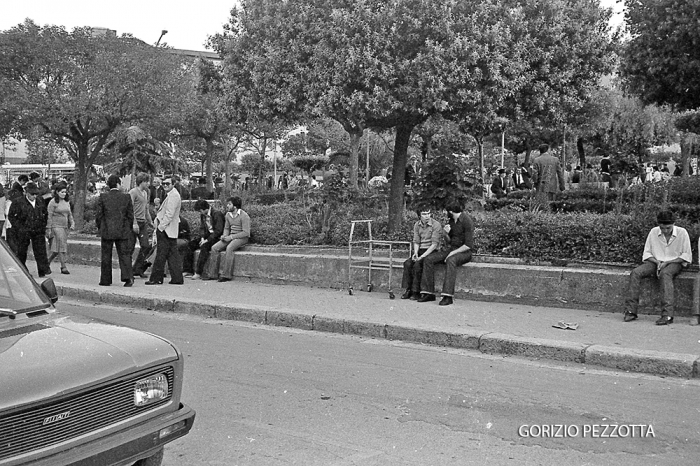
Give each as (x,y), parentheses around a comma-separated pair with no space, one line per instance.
(162,33)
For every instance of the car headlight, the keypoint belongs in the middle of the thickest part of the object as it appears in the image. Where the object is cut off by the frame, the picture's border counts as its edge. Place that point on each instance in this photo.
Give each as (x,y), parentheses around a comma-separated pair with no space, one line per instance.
(151,390)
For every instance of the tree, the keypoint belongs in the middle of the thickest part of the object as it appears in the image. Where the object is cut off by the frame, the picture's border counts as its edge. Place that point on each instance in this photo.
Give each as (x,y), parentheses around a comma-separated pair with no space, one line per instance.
(661,61)
(80,88)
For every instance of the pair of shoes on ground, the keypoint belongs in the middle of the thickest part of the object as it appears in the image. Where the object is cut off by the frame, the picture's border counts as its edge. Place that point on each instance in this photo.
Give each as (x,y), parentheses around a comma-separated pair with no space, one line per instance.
(663,320)
(153,282)
(408,294)
(425,297)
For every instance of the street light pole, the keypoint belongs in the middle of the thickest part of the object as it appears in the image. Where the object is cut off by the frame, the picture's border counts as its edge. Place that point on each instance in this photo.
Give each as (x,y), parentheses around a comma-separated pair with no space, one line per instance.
(162,33)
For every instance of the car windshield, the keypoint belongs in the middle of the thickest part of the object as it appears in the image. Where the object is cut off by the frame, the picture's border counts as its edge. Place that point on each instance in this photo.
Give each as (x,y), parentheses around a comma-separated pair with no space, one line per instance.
(18,292)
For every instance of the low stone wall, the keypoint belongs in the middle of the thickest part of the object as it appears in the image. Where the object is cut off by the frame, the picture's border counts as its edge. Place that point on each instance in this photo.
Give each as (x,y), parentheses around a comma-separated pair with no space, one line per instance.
(588,288)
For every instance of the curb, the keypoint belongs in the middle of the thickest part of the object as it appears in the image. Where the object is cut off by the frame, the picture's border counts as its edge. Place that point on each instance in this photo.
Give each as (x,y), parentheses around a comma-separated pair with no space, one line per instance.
(624,359)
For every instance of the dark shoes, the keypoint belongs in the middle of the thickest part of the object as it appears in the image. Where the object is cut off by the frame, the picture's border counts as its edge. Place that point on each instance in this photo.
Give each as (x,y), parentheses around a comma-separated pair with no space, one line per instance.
(446,301)
(407,295)
(151,282)
(175,283)
(630,316)
(129,283)
(42,275)
(223,279)
(105,284)
(65,271)
(415,296)
(664,320)
(425,297)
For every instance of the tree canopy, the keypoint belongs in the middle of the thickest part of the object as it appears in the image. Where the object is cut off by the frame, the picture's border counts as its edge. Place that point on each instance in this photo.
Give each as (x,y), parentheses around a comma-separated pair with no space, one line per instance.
(79,88)
(661,61)
(378,64)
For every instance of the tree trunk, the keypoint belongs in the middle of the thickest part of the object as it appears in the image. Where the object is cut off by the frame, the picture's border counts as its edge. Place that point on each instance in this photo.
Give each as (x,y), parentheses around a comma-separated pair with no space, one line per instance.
(581,153)
(355,137)
(528,153)
(426,148)
(209,151)
(80,186)
(396,203)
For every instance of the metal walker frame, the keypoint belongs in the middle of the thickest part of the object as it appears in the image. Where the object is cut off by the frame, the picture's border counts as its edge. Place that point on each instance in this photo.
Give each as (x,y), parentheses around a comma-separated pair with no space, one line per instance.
(369,262)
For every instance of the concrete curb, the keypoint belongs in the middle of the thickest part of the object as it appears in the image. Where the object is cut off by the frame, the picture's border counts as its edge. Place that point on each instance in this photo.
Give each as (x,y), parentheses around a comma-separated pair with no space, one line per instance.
(626,359)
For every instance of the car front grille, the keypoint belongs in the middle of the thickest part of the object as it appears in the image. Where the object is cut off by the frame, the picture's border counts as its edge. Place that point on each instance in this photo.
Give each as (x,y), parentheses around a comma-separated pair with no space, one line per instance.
(48,424)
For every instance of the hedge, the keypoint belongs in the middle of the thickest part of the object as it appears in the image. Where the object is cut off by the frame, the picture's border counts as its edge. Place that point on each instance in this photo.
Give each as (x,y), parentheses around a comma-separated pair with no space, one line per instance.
(530,235)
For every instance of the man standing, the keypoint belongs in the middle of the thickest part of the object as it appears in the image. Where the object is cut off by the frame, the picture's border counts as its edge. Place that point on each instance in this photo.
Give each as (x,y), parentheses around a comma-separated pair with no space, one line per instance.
(114,215)
(427,233)
(201,191)
(28,217)
(143,224)
(236,235)
(547,174)
(498,186)
(666,252)
(460,230)
(167,229)
(210,230)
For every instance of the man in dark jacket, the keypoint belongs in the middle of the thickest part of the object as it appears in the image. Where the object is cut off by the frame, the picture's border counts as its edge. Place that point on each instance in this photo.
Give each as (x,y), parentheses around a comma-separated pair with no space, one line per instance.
(211,227)
(114,215)
(28,217)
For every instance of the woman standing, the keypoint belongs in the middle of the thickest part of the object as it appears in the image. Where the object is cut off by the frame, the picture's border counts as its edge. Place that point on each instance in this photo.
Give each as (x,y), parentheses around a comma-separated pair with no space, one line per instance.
(59,222)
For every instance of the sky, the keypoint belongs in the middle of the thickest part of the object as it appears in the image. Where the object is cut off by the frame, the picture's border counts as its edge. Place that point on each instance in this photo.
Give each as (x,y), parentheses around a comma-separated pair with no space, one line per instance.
(188,22)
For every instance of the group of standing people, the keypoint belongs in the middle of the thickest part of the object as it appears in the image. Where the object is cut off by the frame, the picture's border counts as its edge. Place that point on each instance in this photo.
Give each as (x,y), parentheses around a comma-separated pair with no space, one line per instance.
(34,213)
(546,175)
(123,219)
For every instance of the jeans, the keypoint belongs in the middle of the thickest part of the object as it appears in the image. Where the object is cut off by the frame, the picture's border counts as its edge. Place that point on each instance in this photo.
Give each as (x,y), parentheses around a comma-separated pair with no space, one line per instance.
(448,285)
(413,272)
(226,263)
(648,269)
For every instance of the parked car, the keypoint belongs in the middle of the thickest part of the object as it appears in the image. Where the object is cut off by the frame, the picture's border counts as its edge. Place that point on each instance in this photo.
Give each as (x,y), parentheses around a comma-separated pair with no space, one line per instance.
(79,391)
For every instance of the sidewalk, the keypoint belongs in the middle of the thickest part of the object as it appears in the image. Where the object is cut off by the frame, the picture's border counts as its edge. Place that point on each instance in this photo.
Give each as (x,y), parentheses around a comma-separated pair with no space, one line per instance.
(602,338)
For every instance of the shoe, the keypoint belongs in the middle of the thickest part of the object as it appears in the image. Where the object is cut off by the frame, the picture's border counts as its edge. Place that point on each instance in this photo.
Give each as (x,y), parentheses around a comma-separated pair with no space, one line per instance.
(630,316)
(407,295)
(140,275)
(425,297)
(105,284)
(129,283)
(695,319)
(175,283)
(446,301)
(415,296)
(48,272)
(152,282)
(664,320)
(196,277)
(223,279)
(187,275)
(65,271)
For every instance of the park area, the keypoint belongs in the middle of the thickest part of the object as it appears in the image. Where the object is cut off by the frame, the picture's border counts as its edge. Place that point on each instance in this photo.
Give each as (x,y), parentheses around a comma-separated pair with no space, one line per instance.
(376,110)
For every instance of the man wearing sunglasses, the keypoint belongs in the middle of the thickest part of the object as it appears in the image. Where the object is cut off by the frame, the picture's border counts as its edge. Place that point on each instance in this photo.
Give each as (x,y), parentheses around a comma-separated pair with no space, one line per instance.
(166,225)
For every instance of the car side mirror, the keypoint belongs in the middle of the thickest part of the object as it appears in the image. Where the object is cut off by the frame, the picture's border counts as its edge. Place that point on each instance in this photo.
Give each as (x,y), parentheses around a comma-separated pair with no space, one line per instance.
(49,288)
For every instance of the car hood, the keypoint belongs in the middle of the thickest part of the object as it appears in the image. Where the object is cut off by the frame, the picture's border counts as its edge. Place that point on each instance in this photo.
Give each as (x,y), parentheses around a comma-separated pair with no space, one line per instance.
(56,354)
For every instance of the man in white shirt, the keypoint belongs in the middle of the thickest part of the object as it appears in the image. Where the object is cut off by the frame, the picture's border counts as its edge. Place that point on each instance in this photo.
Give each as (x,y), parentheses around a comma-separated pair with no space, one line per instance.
(666,252)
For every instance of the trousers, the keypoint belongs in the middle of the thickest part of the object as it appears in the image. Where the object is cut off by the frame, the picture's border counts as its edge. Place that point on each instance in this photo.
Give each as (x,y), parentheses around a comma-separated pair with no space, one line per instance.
(448,285)
(666,277)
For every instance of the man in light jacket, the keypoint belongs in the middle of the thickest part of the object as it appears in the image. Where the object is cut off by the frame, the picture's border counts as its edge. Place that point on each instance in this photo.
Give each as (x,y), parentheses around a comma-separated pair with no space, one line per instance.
(166,229)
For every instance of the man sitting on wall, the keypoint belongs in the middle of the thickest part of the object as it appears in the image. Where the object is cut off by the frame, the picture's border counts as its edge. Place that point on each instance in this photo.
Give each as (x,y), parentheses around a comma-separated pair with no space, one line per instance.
(666,252)
(211,227)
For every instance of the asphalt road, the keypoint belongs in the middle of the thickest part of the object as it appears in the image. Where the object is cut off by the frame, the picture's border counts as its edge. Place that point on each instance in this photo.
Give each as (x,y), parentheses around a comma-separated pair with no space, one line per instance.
(275,396)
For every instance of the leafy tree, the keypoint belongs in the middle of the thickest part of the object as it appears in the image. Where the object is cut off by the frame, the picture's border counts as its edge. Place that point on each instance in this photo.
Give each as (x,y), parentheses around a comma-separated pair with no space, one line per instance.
(442,181)
(661,61)
(80,88)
